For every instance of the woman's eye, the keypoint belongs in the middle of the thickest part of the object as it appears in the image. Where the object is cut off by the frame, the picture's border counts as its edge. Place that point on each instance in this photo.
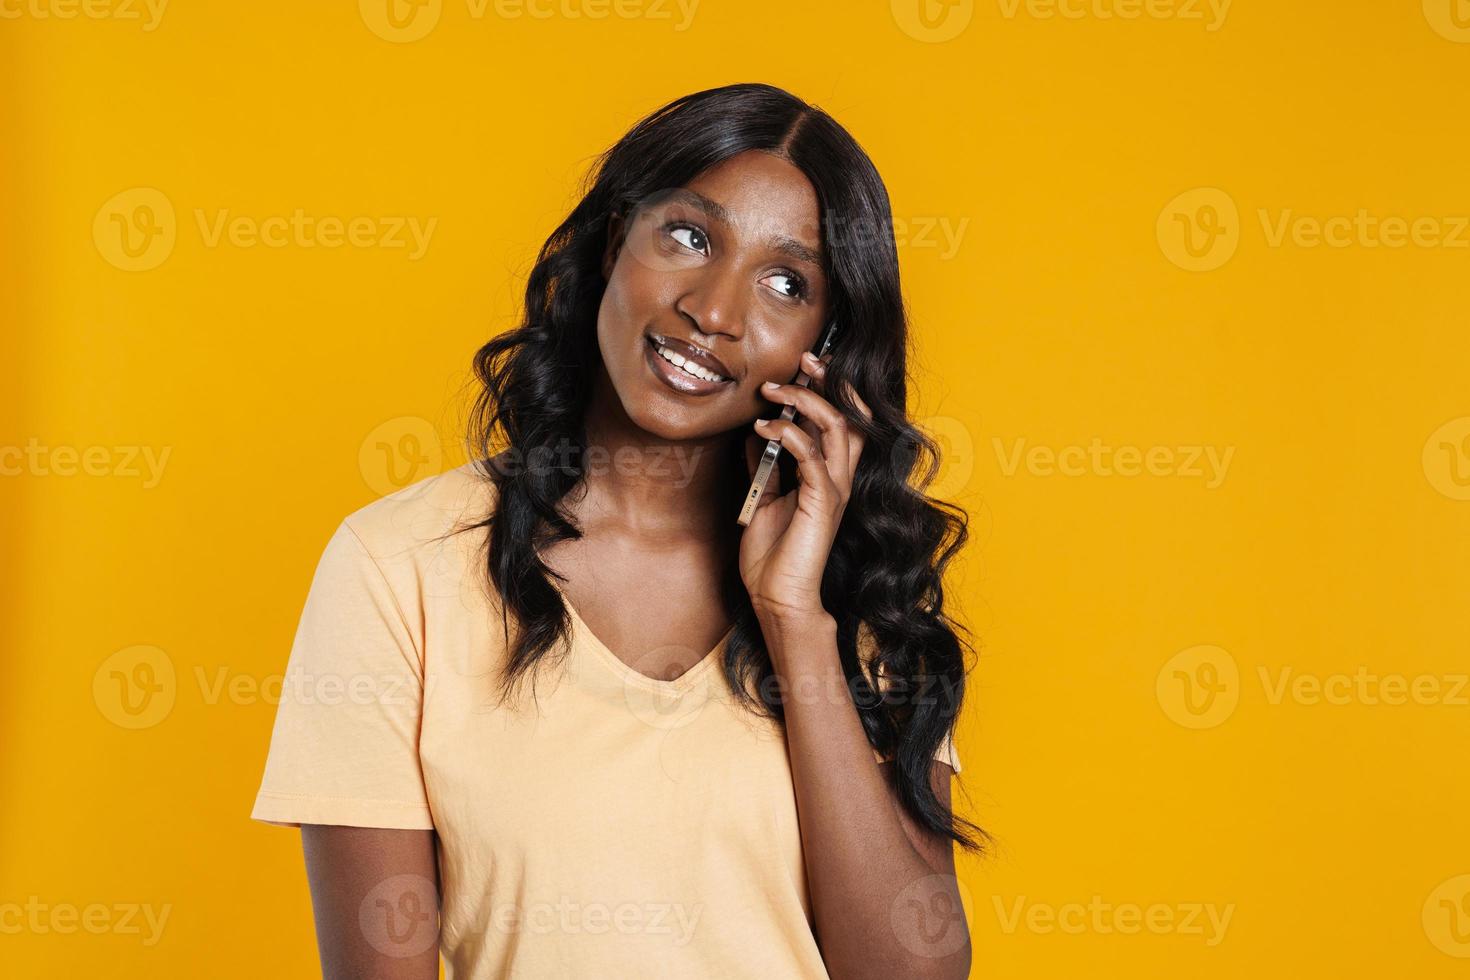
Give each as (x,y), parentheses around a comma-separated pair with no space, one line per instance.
(697,241)
(795,283)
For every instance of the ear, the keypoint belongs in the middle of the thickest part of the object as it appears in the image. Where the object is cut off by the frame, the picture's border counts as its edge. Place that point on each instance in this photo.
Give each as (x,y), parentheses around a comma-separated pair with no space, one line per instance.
(614,244)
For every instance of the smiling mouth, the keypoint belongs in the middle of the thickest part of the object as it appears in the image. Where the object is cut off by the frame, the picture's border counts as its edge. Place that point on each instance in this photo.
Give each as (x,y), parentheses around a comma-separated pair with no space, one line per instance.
(685,365)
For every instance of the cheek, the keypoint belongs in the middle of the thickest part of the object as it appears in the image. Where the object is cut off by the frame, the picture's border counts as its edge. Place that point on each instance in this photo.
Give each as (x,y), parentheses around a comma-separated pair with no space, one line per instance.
(633,293)
(615,295)
(619,312)
(777,361)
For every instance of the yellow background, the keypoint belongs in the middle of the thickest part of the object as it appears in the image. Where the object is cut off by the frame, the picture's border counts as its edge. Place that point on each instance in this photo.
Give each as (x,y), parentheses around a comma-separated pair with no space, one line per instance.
(1055,147)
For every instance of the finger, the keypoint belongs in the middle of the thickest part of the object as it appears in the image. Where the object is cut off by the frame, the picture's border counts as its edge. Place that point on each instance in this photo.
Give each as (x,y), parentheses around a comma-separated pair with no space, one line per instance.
(811,466)
(809,427)
(831,435)
(817,371)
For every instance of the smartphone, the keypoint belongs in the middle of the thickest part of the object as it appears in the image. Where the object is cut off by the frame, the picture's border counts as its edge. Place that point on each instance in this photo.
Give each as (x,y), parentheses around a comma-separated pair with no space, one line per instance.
(773,446)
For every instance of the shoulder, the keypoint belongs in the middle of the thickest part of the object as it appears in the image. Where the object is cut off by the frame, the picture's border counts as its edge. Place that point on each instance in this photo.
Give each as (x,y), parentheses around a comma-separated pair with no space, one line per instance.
(430,506)
(421,515)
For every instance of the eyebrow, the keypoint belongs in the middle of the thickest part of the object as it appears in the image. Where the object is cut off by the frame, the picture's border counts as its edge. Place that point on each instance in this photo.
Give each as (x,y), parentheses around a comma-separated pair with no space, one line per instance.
(718,212)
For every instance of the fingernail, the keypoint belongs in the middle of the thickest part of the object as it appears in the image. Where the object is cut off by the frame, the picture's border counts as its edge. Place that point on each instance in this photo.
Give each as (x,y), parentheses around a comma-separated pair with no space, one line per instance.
(769,384)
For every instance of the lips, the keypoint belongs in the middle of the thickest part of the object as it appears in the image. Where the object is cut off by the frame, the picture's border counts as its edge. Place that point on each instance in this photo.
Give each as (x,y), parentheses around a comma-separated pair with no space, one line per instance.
(698,355)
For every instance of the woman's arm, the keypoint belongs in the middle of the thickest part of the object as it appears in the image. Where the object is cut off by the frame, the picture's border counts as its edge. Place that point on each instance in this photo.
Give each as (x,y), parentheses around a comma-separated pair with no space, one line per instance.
(884,896)
(375,897)
(883,890)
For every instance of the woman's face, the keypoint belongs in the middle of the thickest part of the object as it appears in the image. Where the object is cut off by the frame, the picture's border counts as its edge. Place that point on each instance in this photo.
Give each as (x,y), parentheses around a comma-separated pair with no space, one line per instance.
(726,270)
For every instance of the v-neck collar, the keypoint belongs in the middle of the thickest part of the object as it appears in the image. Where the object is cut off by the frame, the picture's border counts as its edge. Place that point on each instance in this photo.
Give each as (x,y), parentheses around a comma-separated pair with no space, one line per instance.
(604,653)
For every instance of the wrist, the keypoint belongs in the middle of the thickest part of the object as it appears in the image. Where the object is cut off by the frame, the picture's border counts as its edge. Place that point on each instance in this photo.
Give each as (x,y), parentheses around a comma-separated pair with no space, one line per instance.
(780,626)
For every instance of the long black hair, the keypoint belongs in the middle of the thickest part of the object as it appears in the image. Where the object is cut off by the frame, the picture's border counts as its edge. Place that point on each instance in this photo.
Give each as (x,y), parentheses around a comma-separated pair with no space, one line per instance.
(883,583)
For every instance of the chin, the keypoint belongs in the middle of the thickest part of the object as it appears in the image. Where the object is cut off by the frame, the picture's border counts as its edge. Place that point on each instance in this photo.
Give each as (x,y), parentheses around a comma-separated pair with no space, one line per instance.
(672,423)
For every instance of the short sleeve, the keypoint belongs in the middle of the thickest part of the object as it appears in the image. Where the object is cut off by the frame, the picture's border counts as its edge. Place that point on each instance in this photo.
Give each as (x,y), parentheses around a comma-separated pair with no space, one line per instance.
(946,752)
(344,748)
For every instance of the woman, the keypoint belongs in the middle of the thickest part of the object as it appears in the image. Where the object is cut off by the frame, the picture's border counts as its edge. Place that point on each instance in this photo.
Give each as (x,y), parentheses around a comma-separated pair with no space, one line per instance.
(599,725)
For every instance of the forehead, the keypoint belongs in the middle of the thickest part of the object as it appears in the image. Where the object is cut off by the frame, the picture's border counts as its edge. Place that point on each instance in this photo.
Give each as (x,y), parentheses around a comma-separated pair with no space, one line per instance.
(764,198)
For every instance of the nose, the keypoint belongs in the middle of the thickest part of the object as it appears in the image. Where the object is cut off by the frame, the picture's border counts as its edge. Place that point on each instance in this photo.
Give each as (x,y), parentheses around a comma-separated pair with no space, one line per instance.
(715,304)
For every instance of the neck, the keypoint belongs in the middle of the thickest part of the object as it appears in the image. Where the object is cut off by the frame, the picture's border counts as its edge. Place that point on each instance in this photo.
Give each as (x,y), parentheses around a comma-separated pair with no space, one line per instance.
(650,484)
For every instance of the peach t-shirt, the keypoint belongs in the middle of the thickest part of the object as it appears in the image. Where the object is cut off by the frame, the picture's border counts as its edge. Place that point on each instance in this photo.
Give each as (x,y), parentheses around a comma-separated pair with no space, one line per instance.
(617,826)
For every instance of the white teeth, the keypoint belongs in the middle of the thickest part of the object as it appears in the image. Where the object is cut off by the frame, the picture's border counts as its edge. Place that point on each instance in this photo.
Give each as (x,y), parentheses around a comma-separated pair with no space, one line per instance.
(689,367)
